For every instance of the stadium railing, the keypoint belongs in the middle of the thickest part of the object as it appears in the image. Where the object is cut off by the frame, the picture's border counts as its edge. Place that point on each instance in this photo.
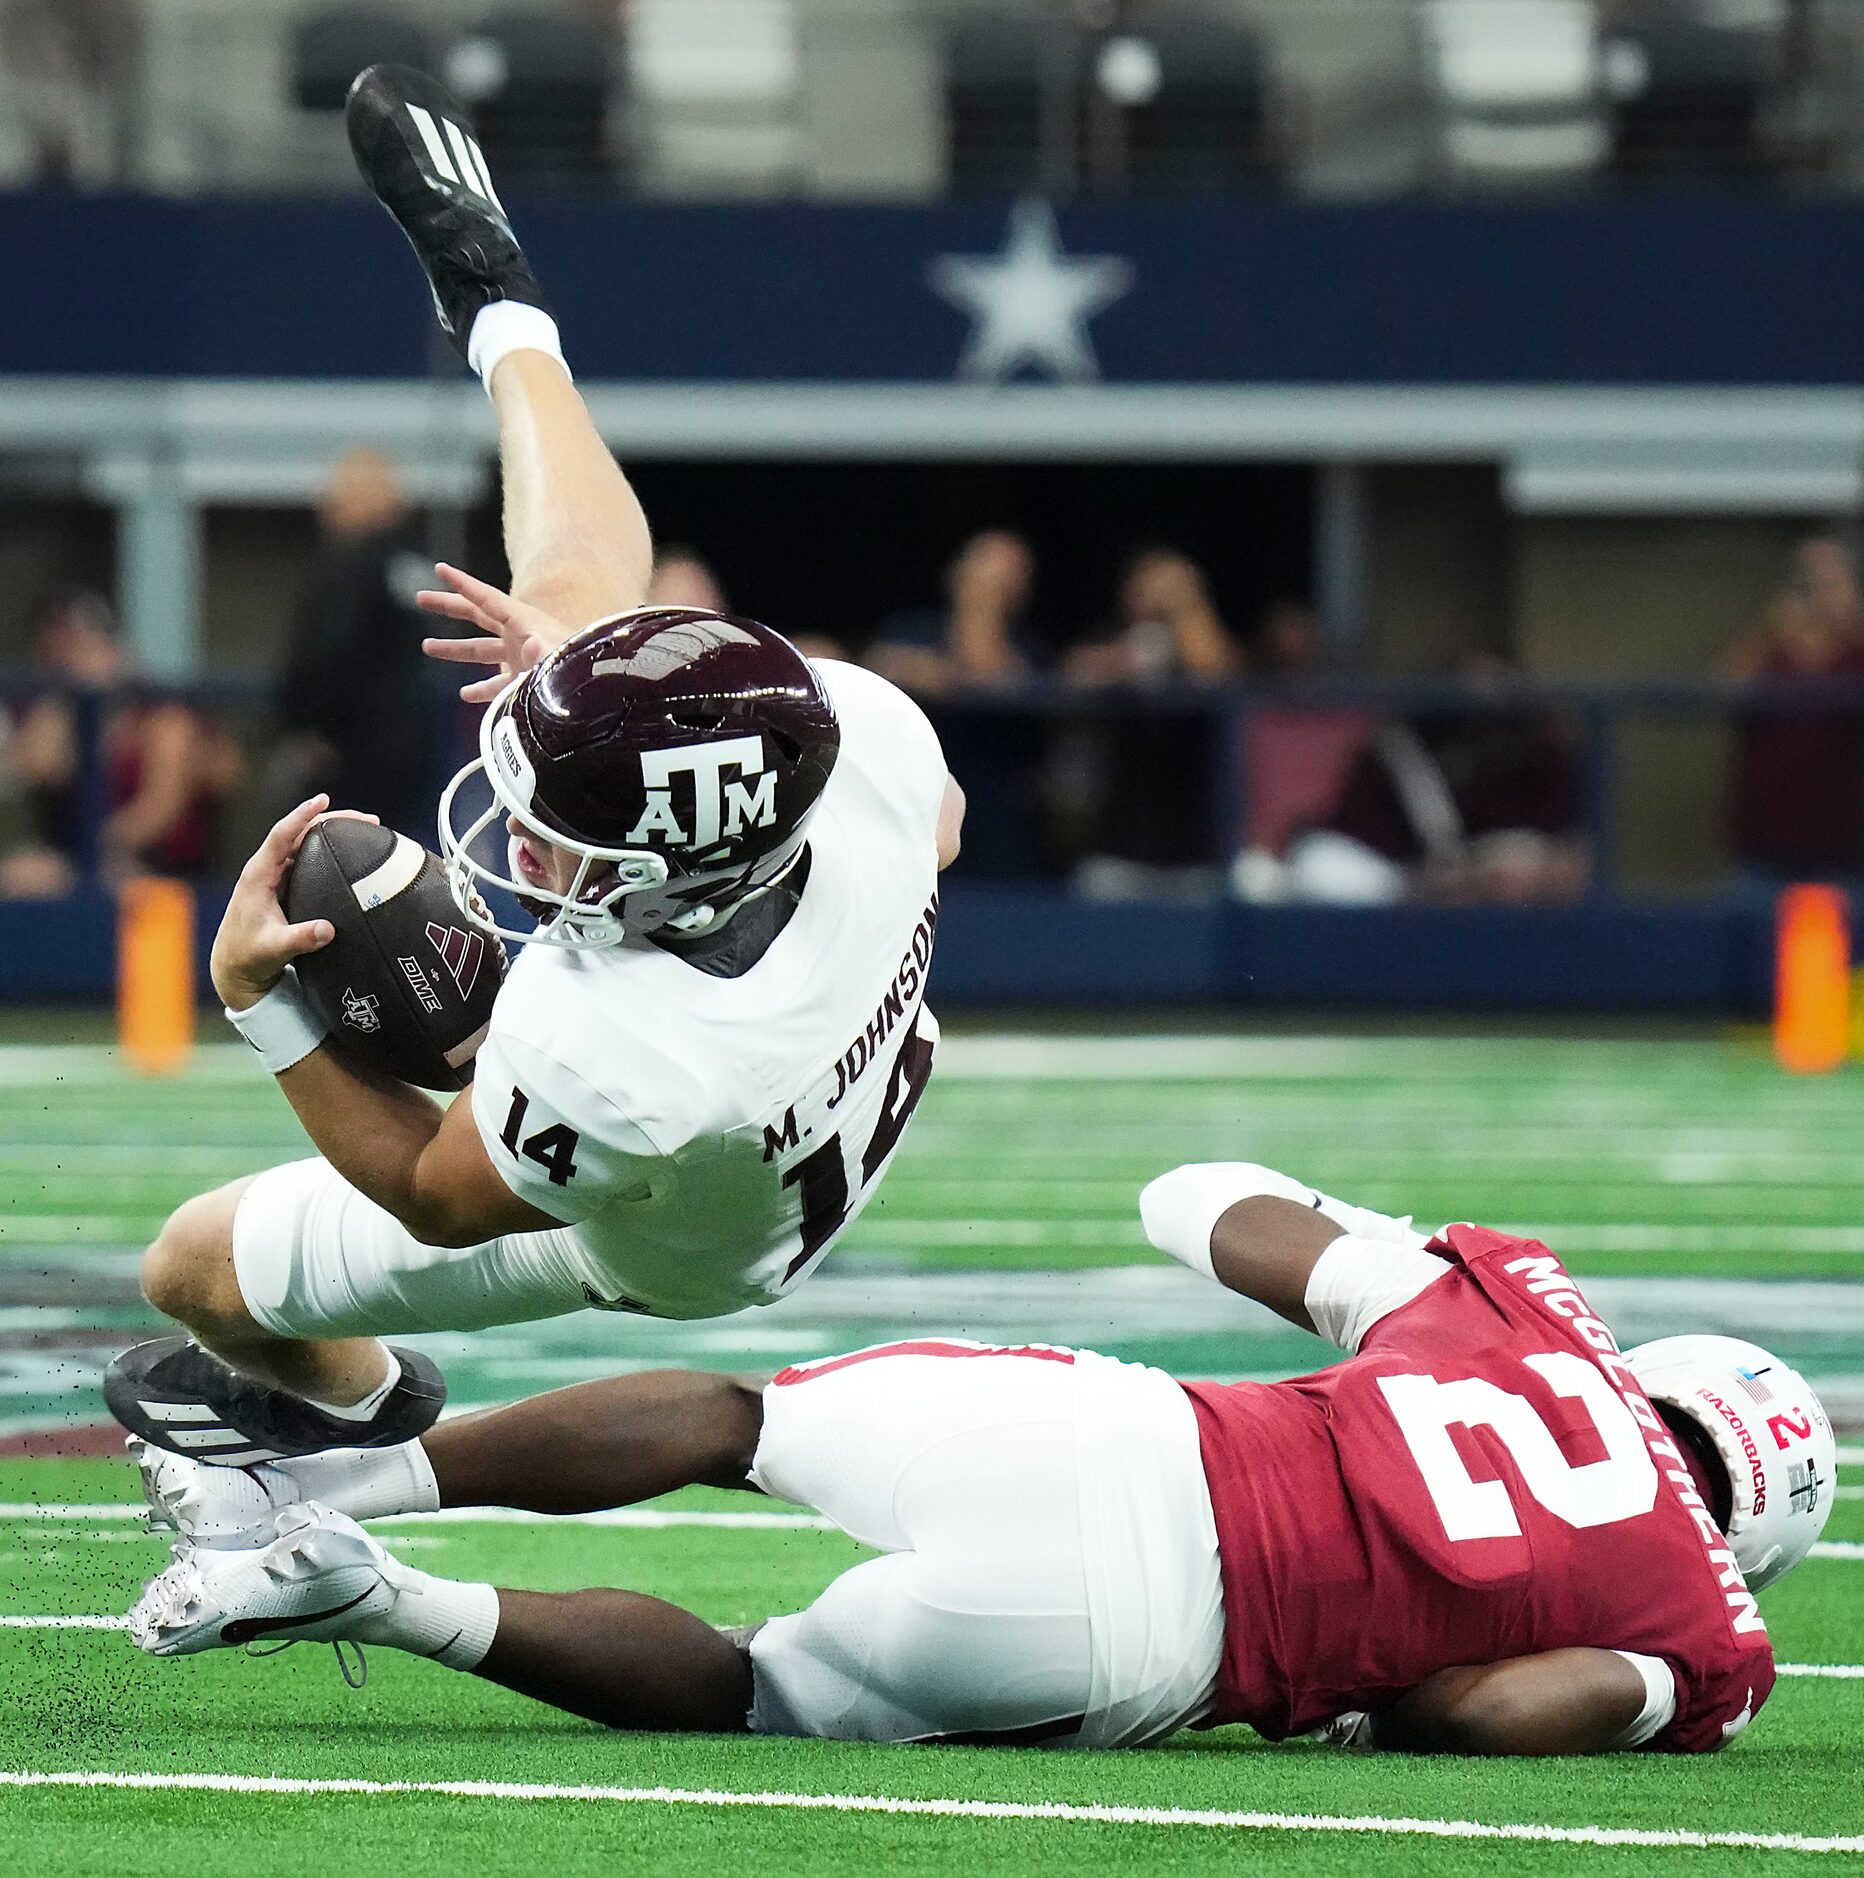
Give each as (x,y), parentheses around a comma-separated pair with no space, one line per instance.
(1596,711)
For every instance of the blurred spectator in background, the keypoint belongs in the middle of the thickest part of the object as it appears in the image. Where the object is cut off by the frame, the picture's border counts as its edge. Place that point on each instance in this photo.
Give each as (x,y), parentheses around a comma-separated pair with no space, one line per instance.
(1796,811)
(682,578)
(1290,641)
(1167,631)
(1479,805)
(1295,756)
(168,768)
(945,656)
(365,716)
(979,637)
(1146,775)
(70,64)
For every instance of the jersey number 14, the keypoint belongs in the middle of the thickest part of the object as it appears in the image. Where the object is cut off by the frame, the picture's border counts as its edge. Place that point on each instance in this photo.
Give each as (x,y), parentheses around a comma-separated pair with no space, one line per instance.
(822,1177)
(552,1148)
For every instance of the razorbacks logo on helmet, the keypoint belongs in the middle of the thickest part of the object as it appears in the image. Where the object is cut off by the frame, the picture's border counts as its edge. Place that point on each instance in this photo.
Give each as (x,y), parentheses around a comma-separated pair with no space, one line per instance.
(677,754)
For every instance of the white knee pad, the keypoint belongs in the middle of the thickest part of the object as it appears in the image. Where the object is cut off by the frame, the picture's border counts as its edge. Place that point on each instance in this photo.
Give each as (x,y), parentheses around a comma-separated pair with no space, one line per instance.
(1181,1209)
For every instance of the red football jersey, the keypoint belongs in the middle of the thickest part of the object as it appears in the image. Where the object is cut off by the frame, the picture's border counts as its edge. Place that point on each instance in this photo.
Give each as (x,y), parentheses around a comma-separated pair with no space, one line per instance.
(1484,1480)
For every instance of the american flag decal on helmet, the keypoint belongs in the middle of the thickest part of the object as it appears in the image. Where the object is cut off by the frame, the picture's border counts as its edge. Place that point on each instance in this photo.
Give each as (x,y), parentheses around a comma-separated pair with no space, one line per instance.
(1751,1382)
(461,952)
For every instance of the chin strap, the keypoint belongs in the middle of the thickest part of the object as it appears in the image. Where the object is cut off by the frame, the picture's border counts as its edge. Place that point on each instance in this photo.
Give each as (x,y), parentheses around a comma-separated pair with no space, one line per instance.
(714,913)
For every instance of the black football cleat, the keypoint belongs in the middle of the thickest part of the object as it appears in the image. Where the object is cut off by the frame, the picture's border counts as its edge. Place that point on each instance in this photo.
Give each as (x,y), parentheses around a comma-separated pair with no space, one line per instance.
(173,1394)
(416,150)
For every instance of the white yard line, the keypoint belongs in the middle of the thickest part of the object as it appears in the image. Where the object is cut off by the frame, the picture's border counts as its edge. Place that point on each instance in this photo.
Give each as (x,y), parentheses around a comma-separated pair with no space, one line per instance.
(1372,1824)
(1641,1238)
(640,1516)
(92,1622)
(897,1229)
(648,1518)
(64,1623)
(1032,1057)
(1826,1672)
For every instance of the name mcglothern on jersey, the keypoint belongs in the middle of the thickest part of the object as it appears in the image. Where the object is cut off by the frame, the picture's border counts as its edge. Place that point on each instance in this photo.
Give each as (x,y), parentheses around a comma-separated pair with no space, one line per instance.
(1484,1480)
(709,1137)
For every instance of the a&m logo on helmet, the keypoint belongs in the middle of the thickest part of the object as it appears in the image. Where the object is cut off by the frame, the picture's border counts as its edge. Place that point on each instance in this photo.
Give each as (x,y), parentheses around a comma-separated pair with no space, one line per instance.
(668,760)
(721,808)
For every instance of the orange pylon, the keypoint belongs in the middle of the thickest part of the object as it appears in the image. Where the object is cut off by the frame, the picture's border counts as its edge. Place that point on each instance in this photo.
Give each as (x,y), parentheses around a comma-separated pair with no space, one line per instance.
(155,975)
(1812,980)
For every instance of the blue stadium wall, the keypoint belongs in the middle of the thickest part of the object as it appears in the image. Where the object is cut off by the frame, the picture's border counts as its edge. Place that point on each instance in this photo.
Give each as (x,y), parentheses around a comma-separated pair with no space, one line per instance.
(1707,295)
(1690,292)
(1004,946)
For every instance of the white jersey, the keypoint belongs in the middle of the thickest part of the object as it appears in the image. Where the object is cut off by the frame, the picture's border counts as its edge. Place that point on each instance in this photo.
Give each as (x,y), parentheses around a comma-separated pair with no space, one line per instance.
(710,1137)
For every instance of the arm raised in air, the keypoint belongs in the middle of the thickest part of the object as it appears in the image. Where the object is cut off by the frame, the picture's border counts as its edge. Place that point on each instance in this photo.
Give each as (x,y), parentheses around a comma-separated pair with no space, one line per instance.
(1266,1236)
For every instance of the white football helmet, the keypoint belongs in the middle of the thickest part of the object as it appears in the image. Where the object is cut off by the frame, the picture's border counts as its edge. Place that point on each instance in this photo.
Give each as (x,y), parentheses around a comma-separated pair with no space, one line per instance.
(1773,1437)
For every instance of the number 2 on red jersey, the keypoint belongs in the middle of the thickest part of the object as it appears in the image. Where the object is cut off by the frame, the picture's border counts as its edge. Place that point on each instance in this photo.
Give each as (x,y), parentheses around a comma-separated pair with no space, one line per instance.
(1595,1493)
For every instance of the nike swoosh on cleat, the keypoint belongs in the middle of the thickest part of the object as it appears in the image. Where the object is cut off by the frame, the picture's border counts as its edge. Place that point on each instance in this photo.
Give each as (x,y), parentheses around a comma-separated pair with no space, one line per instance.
(250,1629)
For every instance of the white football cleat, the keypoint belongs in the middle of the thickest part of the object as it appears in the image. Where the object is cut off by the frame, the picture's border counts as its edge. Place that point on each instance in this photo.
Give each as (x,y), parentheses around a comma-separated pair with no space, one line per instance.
(319,1581)
(217,1507)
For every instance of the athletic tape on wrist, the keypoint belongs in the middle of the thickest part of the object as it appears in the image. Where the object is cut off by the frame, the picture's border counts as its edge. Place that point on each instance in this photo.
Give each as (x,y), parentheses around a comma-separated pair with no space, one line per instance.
(508,326)
(282,1027)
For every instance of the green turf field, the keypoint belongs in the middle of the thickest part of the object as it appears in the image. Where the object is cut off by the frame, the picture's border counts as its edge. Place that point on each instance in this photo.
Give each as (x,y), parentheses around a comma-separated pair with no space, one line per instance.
(1693,1186)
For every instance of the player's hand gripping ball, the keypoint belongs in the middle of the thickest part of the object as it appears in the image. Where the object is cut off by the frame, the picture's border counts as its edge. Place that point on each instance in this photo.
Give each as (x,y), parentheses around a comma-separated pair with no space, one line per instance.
(407,984)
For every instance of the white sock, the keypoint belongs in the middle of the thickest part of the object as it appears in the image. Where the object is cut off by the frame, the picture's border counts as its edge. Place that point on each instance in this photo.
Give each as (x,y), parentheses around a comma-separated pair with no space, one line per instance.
(365,1409)
(366,1483)
(439,1618)
(1181,1209)
(508,326)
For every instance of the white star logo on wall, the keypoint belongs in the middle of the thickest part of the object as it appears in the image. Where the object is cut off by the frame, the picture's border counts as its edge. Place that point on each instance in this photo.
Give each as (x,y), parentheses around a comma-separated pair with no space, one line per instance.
(1031,303)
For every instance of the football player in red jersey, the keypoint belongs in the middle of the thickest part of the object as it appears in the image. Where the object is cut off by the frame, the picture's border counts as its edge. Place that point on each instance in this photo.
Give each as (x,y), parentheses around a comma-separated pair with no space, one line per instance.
(1562,1543)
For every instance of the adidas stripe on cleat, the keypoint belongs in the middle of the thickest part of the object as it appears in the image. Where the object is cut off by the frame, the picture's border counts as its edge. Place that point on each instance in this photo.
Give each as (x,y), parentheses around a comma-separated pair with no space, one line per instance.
(454,155)
(416,150)
(175,1395)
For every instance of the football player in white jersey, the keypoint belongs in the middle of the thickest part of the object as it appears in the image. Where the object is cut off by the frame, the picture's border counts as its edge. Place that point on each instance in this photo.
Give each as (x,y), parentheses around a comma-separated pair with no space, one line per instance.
(706,1055)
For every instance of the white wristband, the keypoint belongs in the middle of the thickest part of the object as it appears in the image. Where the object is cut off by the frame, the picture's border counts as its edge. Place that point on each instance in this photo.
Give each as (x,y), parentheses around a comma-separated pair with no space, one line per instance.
(282,1027)
(1659,1709)
(508,326)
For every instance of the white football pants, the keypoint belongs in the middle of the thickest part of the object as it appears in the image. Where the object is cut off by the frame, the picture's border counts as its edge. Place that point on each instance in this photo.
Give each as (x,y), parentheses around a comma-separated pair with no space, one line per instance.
(1049,1570)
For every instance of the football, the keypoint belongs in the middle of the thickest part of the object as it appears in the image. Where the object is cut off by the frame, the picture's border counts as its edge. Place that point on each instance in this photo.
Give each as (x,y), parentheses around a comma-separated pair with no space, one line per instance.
(407,984)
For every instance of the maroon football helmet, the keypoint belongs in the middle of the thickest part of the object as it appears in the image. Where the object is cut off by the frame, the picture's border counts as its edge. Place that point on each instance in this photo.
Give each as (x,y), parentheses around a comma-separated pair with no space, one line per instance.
(678,753)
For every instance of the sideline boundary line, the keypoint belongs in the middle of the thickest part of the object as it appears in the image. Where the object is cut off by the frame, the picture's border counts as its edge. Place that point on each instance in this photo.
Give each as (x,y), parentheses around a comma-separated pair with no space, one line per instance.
(1373,1824)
